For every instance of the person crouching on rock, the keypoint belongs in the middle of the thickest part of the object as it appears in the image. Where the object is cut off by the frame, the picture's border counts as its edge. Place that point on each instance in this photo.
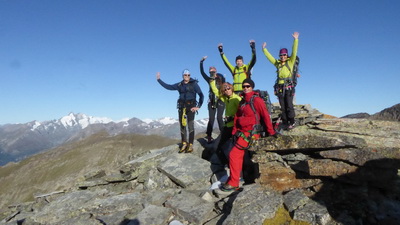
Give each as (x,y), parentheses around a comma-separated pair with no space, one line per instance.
(252,110)
(227,95)
(187,106)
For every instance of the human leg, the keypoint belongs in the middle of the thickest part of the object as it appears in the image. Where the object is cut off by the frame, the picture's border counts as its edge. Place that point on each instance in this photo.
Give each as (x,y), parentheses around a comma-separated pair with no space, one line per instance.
(182,128)
(220,114)
(226,135)
(282,103)
(289,107)
(236,162)
(183,132)
(211,118)
(190,124)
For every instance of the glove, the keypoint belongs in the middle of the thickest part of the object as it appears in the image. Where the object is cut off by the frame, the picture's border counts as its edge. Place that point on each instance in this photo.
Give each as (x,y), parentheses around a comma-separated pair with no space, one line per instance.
(220,49)
(253,45)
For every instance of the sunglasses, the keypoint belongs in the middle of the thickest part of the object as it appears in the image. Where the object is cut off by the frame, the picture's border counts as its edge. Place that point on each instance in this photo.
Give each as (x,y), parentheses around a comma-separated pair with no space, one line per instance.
(282,55)
(186,75)
(227,89)
(246,86)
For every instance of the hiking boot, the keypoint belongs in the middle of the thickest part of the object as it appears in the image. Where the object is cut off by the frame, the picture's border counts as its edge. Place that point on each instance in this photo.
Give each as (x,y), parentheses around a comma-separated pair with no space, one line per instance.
(225,190)
(183,148)
(190,148)
(209,139)
(291,126)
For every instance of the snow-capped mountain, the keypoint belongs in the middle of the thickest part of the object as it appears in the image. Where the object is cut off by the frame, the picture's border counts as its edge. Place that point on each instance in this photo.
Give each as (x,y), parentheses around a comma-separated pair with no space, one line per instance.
(18,141)
(82,120)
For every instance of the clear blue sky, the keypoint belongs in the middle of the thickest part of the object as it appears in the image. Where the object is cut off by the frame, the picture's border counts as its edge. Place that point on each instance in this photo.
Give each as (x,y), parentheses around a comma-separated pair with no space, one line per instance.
(101,57)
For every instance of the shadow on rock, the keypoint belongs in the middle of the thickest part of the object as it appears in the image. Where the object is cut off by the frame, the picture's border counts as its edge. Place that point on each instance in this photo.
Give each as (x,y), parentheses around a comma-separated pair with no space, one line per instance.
(225,206)
(370,195)
(209,148)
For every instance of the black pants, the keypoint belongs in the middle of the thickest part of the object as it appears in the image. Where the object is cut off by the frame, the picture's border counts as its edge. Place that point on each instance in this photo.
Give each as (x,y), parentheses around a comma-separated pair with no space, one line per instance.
(219,110)
(189,125)
(287,108)
(226,136)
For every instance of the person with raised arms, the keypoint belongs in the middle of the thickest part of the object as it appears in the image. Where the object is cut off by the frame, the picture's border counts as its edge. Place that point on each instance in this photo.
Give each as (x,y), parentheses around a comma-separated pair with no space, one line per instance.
(187,106)
(241,71)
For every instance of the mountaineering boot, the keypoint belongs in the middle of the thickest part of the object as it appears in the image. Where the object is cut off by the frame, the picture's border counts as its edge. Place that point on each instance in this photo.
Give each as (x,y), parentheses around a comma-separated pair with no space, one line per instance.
(190,148)
(184,146)
(225,190)
(291,126)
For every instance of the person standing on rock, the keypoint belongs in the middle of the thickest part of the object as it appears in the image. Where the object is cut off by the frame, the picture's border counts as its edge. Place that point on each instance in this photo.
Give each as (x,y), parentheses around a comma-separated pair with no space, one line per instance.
(187,106)
(215,105)
(231,100)
(246,127)
(284,87)
(241,71)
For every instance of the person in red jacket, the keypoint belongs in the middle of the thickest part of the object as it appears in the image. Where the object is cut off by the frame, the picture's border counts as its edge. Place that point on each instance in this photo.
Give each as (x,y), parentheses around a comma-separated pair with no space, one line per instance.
(245,130)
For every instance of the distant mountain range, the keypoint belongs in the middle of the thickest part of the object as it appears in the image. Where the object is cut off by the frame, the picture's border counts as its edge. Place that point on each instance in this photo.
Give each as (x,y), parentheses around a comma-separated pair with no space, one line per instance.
(18,141)
(390,114)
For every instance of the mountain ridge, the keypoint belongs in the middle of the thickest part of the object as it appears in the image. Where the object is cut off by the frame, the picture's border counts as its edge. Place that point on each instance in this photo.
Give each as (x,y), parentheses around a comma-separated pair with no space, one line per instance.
(17,141)
(390,114)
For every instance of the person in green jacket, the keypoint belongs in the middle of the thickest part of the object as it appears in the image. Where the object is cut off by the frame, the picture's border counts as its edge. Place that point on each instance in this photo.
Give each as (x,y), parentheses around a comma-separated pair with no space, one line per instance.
(231,100)
(241,71)
(284,87)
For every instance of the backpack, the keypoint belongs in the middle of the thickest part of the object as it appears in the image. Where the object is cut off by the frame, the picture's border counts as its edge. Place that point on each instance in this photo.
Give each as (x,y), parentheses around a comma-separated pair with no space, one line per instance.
(295,70)
(265,96)
(260,126)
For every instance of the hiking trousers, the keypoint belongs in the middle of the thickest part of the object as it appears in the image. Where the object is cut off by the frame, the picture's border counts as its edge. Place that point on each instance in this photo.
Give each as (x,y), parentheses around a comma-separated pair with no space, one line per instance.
(189,126)
(226,135)
(287,108)
(236,159)
(219,110)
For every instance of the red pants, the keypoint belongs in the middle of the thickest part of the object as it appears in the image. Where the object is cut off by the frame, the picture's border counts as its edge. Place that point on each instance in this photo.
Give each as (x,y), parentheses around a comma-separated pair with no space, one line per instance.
(236,156)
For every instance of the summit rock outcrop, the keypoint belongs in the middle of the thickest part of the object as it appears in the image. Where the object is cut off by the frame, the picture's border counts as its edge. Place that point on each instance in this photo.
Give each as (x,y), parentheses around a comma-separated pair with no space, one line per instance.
(327,171)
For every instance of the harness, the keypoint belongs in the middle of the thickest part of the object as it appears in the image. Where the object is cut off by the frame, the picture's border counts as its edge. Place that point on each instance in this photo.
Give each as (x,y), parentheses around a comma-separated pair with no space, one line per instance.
(257,128)
(288,83)
(184,103)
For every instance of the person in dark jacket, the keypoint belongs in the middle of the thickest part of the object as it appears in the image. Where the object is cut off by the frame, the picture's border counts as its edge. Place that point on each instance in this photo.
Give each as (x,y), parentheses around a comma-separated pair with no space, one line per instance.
(187,106)
(215,105)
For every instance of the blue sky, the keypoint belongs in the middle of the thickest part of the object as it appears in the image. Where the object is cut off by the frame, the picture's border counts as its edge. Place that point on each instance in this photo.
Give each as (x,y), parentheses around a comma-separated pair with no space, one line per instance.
(101,57)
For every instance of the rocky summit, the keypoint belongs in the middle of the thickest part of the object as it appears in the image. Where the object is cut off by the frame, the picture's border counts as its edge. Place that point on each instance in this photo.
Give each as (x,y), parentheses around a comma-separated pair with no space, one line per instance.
(327,171)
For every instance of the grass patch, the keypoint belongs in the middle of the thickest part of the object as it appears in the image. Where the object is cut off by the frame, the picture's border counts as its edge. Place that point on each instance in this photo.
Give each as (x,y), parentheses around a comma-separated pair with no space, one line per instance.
(61,167)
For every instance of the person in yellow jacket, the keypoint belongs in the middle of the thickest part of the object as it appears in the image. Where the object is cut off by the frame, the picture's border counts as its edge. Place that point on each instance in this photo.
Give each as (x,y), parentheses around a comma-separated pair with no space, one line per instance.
(284,87)
(241,71)
(231,100)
